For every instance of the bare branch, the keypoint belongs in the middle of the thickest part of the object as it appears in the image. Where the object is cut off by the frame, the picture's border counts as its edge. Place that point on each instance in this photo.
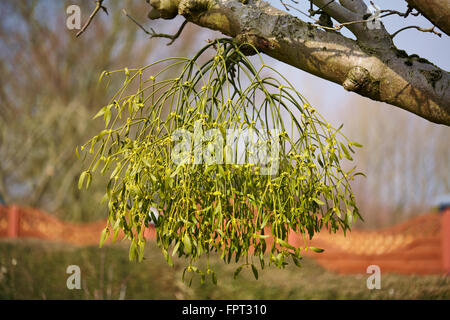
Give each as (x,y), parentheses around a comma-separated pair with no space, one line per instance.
(436,11)
(335,10)
(432,30)
(408,12)
(316,23)
(98,6)
(154,34)
(358,6)
(371,66)
(355,22)
(288,7)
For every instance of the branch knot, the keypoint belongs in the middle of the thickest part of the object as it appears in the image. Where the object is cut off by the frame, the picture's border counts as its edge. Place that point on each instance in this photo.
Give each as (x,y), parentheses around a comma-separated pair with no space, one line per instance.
(356,79)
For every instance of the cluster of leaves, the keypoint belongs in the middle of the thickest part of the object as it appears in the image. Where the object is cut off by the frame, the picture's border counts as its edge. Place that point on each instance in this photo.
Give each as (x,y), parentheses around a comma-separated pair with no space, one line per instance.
(214,206)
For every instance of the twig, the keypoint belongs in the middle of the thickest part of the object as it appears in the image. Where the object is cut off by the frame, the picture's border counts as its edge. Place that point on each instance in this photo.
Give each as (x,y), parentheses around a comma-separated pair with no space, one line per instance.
(432,30)
(287,6)
(339,26)
(313,12)
(153,33)
(99,5)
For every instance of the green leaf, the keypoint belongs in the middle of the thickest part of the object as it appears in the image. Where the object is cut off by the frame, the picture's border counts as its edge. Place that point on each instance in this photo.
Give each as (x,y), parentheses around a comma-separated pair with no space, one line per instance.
(319,202)
(103,237)
(142,252)
(89,179)
(346,153)
(168,257)
(255,272)
(237,271)
(187,243)
(266,219)
(261,261)
(132,252)
(107,116)
(318,250)
(296,261)
(116,233)
(221,172)
(102,75)
(175,249)
(81,180)
(177,170)
(101,112)
(116,170)
(77,153)
(285,244)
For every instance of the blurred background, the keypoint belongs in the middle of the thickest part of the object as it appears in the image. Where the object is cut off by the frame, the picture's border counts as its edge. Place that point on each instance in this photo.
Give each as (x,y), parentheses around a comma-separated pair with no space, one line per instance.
(49,93)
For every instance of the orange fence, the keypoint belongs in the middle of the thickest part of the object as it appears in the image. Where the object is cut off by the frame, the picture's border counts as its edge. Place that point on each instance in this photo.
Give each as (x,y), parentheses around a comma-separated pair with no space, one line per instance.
(421,245)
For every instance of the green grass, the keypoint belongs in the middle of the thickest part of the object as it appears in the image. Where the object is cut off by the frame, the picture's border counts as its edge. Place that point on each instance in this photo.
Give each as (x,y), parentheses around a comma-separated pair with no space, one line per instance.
(37,270)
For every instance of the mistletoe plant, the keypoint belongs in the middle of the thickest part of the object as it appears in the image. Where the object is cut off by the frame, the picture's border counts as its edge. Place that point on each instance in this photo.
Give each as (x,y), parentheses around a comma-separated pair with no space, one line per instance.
(206,156)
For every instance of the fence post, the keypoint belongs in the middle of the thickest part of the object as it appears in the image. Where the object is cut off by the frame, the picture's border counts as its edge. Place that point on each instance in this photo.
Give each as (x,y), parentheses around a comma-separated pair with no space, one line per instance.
(13,222)
(446,239)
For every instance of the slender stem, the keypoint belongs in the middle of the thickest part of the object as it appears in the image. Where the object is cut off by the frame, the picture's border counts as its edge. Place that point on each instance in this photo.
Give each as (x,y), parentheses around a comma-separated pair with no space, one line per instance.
(99,5)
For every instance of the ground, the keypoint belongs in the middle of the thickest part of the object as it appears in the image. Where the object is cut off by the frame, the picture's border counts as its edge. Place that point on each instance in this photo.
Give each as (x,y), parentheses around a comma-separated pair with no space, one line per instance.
(31,269)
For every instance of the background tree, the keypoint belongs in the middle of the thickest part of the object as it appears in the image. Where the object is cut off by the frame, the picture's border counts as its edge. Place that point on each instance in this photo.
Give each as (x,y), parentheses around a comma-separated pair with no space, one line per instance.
(406,161)
(50,95)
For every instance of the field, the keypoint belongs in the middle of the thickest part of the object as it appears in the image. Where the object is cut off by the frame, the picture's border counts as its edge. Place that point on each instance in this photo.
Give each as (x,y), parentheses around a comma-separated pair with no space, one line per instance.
(34,269)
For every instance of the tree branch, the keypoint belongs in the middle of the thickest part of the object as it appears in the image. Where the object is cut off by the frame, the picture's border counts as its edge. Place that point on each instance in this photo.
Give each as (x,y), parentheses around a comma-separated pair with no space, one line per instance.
(432,30)
(357,6)
(349,14)
(379,72)
(437,11)
(154,34)
(98,6)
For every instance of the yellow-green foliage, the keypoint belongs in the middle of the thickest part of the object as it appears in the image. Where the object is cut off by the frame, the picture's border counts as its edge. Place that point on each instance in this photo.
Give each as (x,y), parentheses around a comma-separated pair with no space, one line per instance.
(205,207)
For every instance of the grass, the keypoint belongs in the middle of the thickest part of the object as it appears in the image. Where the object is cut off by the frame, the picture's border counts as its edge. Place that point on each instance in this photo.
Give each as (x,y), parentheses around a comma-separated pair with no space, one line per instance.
(34,269)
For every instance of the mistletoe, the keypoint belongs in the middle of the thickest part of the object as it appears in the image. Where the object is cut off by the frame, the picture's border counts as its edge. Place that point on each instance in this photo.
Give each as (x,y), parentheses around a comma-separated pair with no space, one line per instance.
(227,157)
